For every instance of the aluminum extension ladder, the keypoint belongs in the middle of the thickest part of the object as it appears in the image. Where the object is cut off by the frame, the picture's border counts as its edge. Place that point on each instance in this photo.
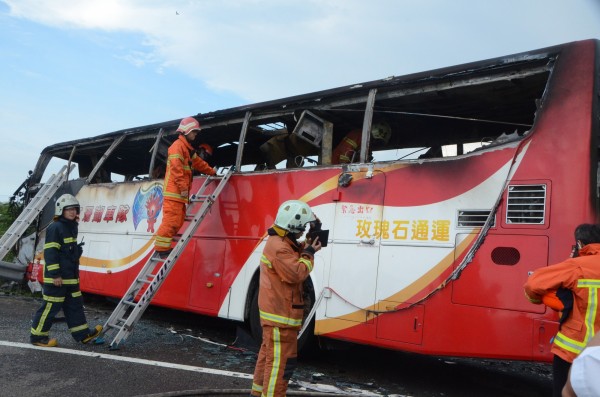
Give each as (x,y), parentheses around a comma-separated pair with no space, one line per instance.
(155,270)
(33,209)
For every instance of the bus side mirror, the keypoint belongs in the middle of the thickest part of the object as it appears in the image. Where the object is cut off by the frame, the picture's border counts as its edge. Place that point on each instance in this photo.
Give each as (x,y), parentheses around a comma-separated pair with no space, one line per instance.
(344,179)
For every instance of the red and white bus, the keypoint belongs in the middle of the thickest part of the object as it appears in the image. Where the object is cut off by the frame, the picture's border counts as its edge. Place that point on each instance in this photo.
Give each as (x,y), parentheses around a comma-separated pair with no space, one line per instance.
(489,168)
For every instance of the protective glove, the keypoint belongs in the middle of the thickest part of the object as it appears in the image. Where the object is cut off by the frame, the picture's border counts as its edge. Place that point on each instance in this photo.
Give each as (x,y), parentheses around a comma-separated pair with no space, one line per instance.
(315,226)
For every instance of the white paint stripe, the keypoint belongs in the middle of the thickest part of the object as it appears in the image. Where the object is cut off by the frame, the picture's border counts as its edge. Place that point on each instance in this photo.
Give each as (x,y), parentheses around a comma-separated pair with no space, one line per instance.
(309,386)
(129,359)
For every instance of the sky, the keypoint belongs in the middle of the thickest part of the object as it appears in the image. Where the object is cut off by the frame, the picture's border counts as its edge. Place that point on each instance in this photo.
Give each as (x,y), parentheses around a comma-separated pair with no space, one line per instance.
(72,69)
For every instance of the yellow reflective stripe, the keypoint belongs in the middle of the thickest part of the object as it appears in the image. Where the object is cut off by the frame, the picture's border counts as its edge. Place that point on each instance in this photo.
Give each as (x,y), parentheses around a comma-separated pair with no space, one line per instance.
(67,281)
(175,195)
(70,281)
(39,333)
(76,294)
(54,266)
(69,240)
(351,142)
(78,328)
(257,388)
(280,319)
(163,242)
(588,283)
(276,363)
(175,156)
(344,158)
(52,245)
(568,344)
(55,299)
(592,305)
(187,168)
(38,330)
(307,263)
(267,262)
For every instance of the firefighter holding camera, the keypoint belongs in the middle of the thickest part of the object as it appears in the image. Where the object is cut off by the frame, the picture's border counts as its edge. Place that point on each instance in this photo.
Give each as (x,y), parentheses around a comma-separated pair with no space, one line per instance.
(284,265)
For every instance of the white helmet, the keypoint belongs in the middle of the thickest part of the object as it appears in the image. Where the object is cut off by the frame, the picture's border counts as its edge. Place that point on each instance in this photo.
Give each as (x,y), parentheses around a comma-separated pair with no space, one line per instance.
(381,131)
(65,201)
(293,215)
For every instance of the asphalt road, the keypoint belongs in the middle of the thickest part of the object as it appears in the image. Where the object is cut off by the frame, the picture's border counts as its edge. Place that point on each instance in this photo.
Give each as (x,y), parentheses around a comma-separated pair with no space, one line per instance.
(171,351)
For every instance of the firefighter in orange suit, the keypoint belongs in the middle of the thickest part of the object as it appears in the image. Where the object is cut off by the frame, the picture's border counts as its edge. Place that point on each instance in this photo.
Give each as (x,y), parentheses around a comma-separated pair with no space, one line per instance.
(581,276)
(349,147)
(284,266)
(178,179)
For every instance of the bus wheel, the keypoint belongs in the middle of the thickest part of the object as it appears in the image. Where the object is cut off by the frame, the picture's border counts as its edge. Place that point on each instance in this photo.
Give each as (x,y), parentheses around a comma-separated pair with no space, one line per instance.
(254,319)
(306,343)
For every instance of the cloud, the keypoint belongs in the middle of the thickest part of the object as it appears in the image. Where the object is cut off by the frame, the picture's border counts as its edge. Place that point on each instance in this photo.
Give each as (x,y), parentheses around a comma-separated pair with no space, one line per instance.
(264,49)
(69,62)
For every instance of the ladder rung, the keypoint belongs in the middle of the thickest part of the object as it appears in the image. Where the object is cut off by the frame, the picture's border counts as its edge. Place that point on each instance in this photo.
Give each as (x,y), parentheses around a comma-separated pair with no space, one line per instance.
(130,303)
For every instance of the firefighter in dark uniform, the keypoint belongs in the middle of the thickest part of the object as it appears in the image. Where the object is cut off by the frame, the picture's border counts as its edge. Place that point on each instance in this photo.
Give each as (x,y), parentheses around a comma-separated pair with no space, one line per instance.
(61,278)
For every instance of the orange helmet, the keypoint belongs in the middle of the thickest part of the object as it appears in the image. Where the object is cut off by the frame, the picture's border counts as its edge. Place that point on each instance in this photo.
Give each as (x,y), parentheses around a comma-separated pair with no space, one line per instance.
(188,125)
(206,147)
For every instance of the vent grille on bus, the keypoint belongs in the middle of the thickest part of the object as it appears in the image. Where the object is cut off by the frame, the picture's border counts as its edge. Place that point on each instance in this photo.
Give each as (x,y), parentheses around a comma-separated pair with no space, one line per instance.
(473,218)
(526,204)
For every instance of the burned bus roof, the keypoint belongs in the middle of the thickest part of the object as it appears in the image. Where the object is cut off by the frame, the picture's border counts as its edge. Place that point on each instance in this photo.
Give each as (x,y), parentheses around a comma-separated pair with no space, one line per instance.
(452,105)
(340,96)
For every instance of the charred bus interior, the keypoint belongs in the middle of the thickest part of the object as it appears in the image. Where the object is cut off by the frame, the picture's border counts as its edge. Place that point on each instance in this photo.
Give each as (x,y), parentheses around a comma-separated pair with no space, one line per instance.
(432,115)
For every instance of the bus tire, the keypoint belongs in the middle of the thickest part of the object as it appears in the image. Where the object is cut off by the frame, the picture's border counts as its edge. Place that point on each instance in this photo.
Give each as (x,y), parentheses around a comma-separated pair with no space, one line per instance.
(306,344)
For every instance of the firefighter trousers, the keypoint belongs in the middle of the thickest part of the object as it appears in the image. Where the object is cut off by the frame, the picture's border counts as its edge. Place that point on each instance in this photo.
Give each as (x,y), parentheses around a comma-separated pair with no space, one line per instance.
(276,361)
(172,220)
(69,299)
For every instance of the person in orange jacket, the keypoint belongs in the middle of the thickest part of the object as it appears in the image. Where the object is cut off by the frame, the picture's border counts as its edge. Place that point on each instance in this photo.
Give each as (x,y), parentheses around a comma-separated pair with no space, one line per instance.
(581,276)
(284,265)
(349,147)
(181,159)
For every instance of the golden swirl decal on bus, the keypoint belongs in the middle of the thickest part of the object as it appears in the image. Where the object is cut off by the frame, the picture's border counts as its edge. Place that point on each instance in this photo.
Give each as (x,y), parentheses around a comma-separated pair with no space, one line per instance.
(329,325)
(114,263)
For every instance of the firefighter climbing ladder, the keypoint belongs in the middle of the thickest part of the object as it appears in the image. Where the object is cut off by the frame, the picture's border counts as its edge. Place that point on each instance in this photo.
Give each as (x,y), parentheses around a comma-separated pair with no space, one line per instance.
(33,209)
(155,270)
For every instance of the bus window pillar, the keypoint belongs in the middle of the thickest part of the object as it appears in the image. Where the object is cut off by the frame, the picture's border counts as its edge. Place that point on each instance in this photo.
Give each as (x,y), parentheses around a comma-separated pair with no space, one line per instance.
(327,143)
(366,130)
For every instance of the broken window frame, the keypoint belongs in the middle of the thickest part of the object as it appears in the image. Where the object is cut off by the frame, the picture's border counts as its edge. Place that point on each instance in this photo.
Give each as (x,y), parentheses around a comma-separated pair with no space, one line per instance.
(236,134)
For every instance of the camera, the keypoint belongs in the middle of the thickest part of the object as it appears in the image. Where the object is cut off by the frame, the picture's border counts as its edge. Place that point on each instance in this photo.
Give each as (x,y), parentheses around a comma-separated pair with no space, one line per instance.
(315,231)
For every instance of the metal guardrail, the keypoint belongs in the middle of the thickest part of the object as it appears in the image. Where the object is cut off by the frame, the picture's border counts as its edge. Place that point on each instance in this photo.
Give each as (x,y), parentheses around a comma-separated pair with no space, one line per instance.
(12,271)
